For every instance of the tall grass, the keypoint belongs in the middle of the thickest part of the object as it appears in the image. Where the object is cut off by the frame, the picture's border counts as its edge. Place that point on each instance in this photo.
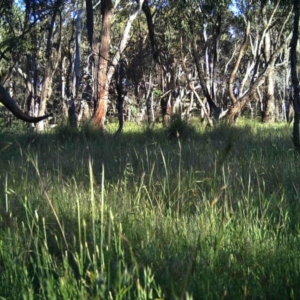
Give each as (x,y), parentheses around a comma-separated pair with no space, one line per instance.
(212,215)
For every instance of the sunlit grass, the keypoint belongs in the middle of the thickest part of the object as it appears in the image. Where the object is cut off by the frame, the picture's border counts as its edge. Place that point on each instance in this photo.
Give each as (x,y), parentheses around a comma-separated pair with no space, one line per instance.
(88,216)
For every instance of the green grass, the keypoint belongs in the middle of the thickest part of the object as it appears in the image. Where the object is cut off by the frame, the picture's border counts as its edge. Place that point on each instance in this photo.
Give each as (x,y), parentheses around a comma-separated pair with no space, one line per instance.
(150,215)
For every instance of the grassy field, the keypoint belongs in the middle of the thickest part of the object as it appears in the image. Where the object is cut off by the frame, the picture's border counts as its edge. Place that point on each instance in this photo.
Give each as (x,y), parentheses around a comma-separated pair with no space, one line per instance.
(213,214)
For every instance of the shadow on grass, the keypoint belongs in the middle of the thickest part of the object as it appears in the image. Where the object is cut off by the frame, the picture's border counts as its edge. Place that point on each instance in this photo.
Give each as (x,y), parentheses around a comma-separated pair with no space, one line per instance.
(195,165)
(212,212)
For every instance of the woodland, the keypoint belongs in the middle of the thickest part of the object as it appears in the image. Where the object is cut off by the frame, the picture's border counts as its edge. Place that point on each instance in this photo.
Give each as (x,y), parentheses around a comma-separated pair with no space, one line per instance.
(167,166)
(145,61)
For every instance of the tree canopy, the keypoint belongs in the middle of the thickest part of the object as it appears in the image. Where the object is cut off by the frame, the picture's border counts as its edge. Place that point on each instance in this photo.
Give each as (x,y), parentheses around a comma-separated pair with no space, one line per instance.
(202,59)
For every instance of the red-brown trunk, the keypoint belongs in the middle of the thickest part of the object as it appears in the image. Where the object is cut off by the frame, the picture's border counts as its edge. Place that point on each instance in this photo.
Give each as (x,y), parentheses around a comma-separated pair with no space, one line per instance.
(101,110)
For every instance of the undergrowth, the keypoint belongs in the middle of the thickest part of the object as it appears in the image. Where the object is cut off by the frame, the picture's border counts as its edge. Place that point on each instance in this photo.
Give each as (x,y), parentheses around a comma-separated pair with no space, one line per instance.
(212,215)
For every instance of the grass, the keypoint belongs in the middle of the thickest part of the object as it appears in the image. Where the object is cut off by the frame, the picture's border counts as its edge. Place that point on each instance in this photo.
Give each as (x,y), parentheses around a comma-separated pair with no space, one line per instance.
(214,215)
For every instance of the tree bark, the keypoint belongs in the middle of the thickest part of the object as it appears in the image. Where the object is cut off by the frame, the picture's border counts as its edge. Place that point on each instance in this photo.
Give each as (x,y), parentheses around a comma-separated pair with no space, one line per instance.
(102,107)
(120,78)
(165,102)
(269,107)
(11,104)
(51,63)
(166,110)
(102,93)
(257,80)
(295,81)
(45,95)
(90,21)
(237,63)
(268,114)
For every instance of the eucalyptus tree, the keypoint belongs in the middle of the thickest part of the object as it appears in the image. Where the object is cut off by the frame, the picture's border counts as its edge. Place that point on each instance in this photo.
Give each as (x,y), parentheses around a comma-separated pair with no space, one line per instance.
(206,19)
(51,54)
(275,16)
(72,77)
(163,31)
(6,42)
(71,65)
(108,56)
(200,28)
(15,33)
(141,86)
(36,52)
(268,40)
(203,26)
(150,13)
(17,28)
(295,80)
(102,66)
(77,61)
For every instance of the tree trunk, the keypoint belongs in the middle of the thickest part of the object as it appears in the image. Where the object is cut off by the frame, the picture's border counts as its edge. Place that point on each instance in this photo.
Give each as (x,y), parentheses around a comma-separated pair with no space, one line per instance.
(165,102)
(120,78)
(52,60)
(63,85)
(45,95)
(269,107)
(72,114)
(295,81)
(241,103)
(268,115)
(237,64)
(166,110)
(102,93)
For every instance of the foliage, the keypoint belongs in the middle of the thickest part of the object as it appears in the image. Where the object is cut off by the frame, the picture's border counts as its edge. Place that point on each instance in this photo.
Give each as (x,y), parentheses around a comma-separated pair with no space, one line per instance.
(188,42)
(142,217)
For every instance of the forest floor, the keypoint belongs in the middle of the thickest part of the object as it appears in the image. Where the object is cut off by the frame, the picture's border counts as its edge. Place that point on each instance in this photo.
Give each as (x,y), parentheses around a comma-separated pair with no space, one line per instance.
(153,214)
